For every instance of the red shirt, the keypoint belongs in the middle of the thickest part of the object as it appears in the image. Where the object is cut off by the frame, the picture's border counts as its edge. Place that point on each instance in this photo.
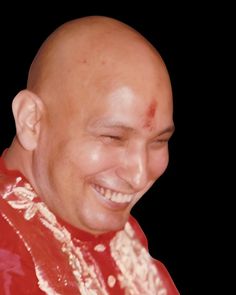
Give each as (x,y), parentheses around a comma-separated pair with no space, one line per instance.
(40,253)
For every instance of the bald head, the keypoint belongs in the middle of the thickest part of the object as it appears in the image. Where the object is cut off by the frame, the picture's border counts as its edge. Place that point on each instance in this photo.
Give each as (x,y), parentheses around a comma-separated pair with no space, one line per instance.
(87,52)
(96,119)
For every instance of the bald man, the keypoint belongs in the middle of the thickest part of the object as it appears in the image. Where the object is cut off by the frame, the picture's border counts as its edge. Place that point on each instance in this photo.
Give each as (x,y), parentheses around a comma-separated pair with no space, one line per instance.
(92,131)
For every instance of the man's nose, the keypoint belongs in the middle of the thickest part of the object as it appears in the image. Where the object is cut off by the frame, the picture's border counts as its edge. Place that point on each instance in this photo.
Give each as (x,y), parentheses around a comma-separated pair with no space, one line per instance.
(134,168)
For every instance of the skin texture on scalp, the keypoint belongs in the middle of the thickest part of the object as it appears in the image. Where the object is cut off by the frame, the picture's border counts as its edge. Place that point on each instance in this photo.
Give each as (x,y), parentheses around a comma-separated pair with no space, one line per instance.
(90,50)
(98,116)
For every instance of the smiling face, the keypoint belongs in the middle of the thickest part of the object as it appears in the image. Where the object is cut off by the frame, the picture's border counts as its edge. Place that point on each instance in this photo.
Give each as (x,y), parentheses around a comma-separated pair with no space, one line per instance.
(107,143)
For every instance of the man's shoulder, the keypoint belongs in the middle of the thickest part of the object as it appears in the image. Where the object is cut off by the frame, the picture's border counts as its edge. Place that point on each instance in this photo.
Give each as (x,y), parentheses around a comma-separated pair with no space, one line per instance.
(139,233)
(162,270)
(17,272)
(9,239)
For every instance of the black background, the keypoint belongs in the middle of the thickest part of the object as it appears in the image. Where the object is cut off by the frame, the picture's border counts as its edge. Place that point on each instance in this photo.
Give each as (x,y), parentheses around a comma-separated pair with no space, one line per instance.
(174,214)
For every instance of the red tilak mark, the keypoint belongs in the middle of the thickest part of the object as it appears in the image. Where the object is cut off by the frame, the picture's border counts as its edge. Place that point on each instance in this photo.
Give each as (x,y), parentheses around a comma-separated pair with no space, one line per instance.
(150,114)
(152,110)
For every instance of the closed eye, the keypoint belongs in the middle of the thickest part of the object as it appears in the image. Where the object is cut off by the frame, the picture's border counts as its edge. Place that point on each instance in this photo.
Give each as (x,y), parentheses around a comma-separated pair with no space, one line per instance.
(160,142)
(112,139)
(115,137)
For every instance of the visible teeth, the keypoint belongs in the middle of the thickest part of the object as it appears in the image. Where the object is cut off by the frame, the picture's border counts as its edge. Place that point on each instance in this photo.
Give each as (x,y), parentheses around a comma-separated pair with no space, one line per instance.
(107,194)
(113,196)
(102,190)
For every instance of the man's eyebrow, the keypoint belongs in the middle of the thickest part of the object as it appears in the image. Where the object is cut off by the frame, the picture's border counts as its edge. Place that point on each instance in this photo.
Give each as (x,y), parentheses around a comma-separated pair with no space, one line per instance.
(117,124)
(169,129)
(110,124)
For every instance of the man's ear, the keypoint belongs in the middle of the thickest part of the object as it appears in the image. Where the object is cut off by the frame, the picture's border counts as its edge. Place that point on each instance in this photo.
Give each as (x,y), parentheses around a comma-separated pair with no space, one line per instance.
(27,110)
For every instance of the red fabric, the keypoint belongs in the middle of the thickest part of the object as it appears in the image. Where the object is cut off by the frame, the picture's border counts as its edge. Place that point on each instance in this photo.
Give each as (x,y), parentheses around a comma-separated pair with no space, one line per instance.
(27,245)
(17,274)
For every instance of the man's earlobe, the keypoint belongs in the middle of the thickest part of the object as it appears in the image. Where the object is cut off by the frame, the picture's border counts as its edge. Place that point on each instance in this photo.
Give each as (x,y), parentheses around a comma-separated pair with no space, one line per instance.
(27,110)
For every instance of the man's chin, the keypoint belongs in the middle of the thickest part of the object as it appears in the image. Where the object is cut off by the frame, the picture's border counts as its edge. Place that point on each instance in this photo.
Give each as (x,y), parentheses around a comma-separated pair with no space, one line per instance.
(111,225)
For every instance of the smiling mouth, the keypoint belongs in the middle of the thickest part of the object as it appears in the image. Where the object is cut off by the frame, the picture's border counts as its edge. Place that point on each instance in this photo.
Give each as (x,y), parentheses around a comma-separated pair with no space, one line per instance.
(114,196)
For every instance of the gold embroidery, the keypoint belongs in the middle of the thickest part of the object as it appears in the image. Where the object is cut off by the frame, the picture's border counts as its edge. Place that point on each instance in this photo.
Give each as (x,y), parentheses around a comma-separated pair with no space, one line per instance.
(86,274)
(138,274)
(100,248)
(43,284)
(111,281)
